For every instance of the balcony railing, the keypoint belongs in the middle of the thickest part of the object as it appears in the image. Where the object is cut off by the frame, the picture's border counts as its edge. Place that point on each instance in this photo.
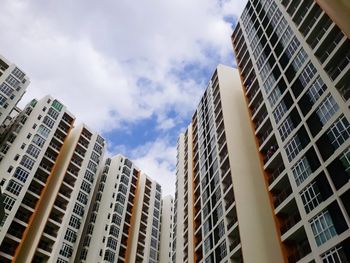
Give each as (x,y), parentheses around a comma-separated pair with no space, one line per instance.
(290,222)
(300,251)
(265,135)
(278,199)
(234,244)
(261,120)
(273,176)
(270,152)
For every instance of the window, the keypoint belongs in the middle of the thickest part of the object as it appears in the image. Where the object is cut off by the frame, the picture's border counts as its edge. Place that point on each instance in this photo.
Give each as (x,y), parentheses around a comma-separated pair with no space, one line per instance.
(301,170)
(157,204)
(223,250)
(311,197)
(286,128)
(21,174)
(287,35)
(154,232)
(280,110)
(57,105)
(334,255)
(316,89)
(33,151)
(274,96)
(327,109)
(116,219)
(322,227)
(221,228)
(307,74)
(123,189)
(155,223)
(49,122)
(38,140)
(292,47)
(27,162)
(60,260)
(98,148)
(70,235)
(66,250)
(109,256)
(293,147)
(12,81)
(112,243)
(153,254)
(89,176)
(6,89)
(206,227)
(95,157)
(2,100)
(281,26)
(74,222)
(157,195)
(299,59)
(207,245)
(154,243)
(92,166)
(82,198)
(54,114)
(345,159)
(14,187)
(118,208)
(339,132)
(18,73)
(114,231)
(269,83)
(120,198)
(8,202)
(44,131)
(78,209)
(86,186)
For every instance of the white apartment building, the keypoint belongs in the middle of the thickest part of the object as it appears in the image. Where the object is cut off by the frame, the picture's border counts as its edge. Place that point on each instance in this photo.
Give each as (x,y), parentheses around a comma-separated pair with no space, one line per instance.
(222,211)
(294,61)
(13,84)
(28,155)
(166,231)
(55,231)
(124,220)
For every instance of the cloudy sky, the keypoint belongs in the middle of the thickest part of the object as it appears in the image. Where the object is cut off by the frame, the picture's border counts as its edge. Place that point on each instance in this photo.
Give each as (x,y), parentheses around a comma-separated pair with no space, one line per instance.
(132,70)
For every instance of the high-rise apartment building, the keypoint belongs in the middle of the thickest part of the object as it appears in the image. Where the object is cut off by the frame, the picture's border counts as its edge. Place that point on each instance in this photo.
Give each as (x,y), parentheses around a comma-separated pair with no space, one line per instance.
(222,212)
(28,155)
(166,231)
(56,229)
(13,84)
(294,63)
(124,221)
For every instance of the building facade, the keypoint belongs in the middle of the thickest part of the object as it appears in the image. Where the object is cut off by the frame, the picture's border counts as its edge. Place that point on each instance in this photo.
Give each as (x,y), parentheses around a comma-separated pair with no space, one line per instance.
(13,84)
(222,212)
(294,63)
(124,221)
(166,229)
(28,155)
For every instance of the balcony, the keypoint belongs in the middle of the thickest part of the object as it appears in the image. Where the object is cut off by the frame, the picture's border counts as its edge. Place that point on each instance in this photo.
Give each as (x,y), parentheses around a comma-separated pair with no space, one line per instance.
(289,222)
(270,152)
(339,61)
(260,120)
(299,251)
(276,173)
(281,196)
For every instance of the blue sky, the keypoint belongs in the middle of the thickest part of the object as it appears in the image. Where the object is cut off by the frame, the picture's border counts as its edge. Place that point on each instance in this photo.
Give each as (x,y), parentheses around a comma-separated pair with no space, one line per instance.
(132,70)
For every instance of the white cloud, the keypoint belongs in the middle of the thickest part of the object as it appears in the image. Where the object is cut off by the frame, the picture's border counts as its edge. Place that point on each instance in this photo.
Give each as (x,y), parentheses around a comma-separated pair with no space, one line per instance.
(157,160)
(113,62)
